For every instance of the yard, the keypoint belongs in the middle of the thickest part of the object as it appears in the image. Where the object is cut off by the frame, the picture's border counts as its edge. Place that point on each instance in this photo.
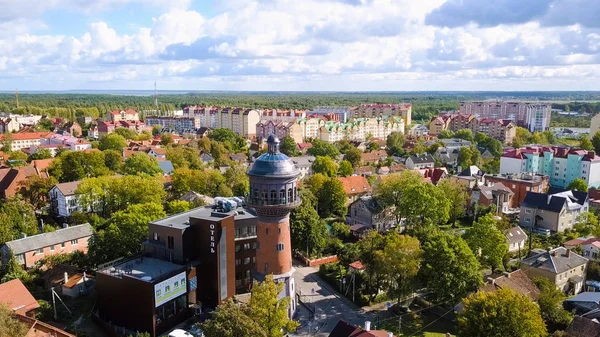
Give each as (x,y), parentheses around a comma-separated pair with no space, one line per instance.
(423,324)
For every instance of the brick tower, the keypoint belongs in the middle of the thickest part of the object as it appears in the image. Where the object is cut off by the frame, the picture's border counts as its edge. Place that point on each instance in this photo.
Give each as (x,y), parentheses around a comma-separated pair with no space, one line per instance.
(274,193)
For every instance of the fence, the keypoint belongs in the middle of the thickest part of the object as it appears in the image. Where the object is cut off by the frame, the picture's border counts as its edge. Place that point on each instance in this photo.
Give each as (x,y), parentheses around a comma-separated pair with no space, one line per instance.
(316,262)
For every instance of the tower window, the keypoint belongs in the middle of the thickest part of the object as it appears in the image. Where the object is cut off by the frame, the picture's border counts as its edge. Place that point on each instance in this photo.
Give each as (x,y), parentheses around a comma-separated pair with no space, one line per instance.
(267,231)
(266,268)
(278,230)
(280,247)
(290,195)
(282,196)
(273,197)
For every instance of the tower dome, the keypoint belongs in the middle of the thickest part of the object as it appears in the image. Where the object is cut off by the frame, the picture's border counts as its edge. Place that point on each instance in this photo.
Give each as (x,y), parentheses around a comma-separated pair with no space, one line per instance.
(273,163)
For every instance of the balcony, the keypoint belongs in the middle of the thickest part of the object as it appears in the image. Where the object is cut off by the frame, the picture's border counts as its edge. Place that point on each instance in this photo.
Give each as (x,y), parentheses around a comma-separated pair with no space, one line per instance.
(271,203)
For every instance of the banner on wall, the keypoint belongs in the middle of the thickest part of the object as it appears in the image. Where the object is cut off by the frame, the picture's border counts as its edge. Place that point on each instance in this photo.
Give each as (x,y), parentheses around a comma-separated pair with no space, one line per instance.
(169,289)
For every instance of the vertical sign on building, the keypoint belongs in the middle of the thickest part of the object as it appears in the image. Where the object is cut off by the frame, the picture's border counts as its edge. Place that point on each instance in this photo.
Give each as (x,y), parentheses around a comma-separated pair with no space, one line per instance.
(212,238)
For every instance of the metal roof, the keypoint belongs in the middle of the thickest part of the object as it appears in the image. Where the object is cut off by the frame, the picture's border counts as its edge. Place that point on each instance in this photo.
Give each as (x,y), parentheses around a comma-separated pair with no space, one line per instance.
(274,163)
(59,236)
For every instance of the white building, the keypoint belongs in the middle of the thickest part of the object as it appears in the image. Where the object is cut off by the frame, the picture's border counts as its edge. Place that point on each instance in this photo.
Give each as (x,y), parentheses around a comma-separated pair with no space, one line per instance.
(515,239)
(25,140)
(417,162)
(63,200)
(418,130)
(591,249)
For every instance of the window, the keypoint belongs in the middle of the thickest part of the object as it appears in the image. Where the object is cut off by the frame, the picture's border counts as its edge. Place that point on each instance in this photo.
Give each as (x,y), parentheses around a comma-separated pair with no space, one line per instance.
(267,231)
(266,268)
(246,246)
(253,245)
(40,251)
(252,230)
(62,245)
(280,247)
(528,220)
(238,262)
(238,248)
(238,232)
(20,258)
(52,248)
(155,236)
(282,196)
(238,283)
(527,211)
(246,260)
(273,197)
(170,242)
(74,242)
(278,230)
(290,195)
(254,259)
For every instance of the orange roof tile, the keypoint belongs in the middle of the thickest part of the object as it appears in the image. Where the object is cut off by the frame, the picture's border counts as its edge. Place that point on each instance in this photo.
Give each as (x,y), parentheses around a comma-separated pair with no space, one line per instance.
(355,185)
(17,297)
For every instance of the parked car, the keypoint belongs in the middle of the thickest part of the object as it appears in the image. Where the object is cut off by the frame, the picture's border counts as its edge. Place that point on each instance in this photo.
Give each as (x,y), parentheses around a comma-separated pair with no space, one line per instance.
(180,333)
(542,231)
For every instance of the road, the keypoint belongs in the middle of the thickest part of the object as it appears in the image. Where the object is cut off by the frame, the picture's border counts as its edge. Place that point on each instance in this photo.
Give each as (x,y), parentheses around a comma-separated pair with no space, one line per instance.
(329,308)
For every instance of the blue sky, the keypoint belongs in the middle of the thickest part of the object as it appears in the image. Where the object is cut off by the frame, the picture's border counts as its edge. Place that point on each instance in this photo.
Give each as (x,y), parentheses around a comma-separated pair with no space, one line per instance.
(341,45)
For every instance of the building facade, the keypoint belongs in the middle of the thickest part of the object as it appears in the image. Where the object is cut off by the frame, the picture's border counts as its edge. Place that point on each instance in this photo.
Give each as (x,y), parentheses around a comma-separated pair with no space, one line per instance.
(561,266)
(280,128)
(561,164)
(367,211)
(520,184)
(63,200)
(533,116)
(240,120)
(556,210)
(403,110)
(360,129)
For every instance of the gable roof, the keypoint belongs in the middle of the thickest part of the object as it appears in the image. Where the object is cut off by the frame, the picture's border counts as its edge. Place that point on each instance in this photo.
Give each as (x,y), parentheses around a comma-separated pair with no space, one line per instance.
(345,329)
(355,185)
(515,235)
(420,159)
(517,281)
(17,297)
(68,188)
(35,242)
(555,199)
(166,166)
(581,326)
(556,260)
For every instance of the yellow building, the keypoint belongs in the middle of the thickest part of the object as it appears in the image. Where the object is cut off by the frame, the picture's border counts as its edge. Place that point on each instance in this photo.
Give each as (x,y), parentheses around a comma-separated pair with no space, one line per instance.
(595,126)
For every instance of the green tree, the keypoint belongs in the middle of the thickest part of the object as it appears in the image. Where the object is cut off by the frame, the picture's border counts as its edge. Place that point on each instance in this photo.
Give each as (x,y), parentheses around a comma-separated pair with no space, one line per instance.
(394,188)
(425,203)
(35,189)
(445,134)
(353,155)
(184,157)
(178,206)
(126,133)
(76,165)
(41,153)
(400,260)
(522,137)
(324,149)
(550,301)
(345,169)
(113,160)
(465,134)
(502,313)
(9,326)
(596,142)
(289,147)
(449,268)
(325,165)
(232,141)
(486,240)
(17,159)
(340,230)
(112,141)
(394,142)
(270,311)
(587,223)
(166,138)
(315,182)
(156,129)
(237,179)
(208,182)
(16,217)
(6,142)
(585,143)
(232,320)
(457,196)
(12,270)
(45,124)
(578,184)
(307,229)
(141,163)
(332,199)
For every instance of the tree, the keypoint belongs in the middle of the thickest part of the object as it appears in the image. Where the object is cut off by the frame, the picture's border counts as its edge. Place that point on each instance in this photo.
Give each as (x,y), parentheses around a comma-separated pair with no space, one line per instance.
(35,189)
(113,160)
(141,163)
(184,157)
(76,165)
(585,143)
(16,217)
(178,206)
(487,241)
(307,228)
(232,141)
(166,138)
(394,187)
(394,142)
(353,155)
(231,320)
(112,141)
(325,165)
(41,153)
(289,147)
(501,313)
(468,156)
(457,196)
(445,134)
(578,184)
(340,230)
(345,169)
(17,158)
(399,260)
(315,182)
(6,143)
(237,179)
(321,148)
(551,301)
(45,124)
(587,223)
(449,268)
(522,137)
(596,142)
(209,182)
(332,199)
(126,133)
(465,134)
(9,325)
(270,311)
(424,203)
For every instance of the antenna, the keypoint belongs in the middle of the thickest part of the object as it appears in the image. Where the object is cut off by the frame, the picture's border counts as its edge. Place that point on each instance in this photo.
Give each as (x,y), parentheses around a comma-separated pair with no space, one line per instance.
(155,96)
(17,96)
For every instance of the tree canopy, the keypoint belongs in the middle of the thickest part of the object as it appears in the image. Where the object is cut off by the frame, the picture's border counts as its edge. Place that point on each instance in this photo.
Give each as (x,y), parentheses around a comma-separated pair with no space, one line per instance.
(325,165)
(232,320)
(578,184)
(289,147)
(487,241)
(141,163)
(399,262)
(269,311)
(112,141)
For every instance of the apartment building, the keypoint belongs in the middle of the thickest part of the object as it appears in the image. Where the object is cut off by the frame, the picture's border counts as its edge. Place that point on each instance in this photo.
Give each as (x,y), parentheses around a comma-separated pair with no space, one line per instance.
(503,130)
(123,115)
(439,123)
(105,128)
(360,129)
(25,140)
(562,164)
(279,114)
(280,128)
(10,122)
(342,114)
(533,116)
(240,120)
(555,210)
(179,124)
(403,110)
(57,141)
(520,184)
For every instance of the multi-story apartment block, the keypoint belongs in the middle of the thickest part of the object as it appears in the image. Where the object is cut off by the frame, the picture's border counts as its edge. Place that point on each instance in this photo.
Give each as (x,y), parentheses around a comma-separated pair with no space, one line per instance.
(278,114)
(439,123)
(310,127)
(24,140)
(12,122)
(563,165)
(240,120)
(533,116)
(520,184)
(179,124)
(403,110)
(503,130)
(123,115)
(360,129)
(105,128)
(342,114)
(280,128)
(459,122)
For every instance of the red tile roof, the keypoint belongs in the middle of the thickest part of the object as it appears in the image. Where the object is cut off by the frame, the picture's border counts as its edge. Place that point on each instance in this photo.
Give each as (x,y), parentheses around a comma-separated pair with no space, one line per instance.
(28,135)
(355,185)
(17,297)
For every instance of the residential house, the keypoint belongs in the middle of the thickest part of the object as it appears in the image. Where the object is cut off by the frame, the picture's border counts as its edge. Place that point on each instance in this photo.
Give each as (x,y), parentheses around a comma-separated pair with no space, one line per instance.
(41,166)
(304,165)
(462,121)
(373,157)
(447,156)
(583,303)
(25,140)
(37,328)
(493,194)
(515,239)
(123,115)
(416,162)
(78,284)
(591,249)
(403,110)
(561,266)
(516,281)
(583,326)
(31,249)
(206,158)
(561,164)
(63,200)
(571,244)
(520,184)
(470,177)
(303,147)
(367,211)
(11,178)
(434,175)
(556,210)
(365,171)
(166,166)
(73,128)
(355,187)
(203,131)
(418,131)
(345,329)
(383,171)
(18,299)
(437,124)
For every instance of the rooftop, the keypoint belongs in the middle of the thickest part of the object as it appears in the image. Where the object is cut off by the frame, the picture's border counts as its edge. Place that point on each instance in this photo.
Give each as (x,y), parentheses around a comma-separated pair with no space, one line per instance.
(144,268)
(17,297)
(35,242)
(182,220)
(557,260)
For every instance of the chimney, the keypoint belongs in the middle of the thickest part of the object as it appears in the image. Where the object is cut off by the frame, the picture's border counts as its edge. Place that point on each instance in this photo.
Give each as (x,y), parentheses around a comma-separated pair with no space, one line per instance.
(84,277)
(390,334)
(66,277)
(23,235)
(367,325)
(553,253)
(592,154)
(507,274)
(568,252)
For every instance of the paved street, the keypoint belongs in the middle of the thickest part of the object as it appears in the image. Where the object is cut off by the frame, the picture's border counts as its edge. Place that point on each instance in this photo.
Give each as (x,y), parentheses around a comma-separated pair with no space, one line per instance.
(329,308)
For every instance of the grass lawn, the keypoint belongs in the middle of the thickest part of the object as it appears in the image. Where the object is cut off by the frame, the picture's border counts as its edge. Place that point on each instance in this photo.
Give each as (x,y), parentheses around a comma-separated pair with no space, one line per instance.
(423,324)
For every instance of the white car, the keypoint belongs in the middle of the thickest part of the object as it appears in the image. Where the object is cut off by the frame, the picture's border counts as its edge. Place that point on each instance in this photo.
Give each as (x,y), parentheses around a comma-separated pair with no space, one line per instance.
(543,231)
(180,333)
